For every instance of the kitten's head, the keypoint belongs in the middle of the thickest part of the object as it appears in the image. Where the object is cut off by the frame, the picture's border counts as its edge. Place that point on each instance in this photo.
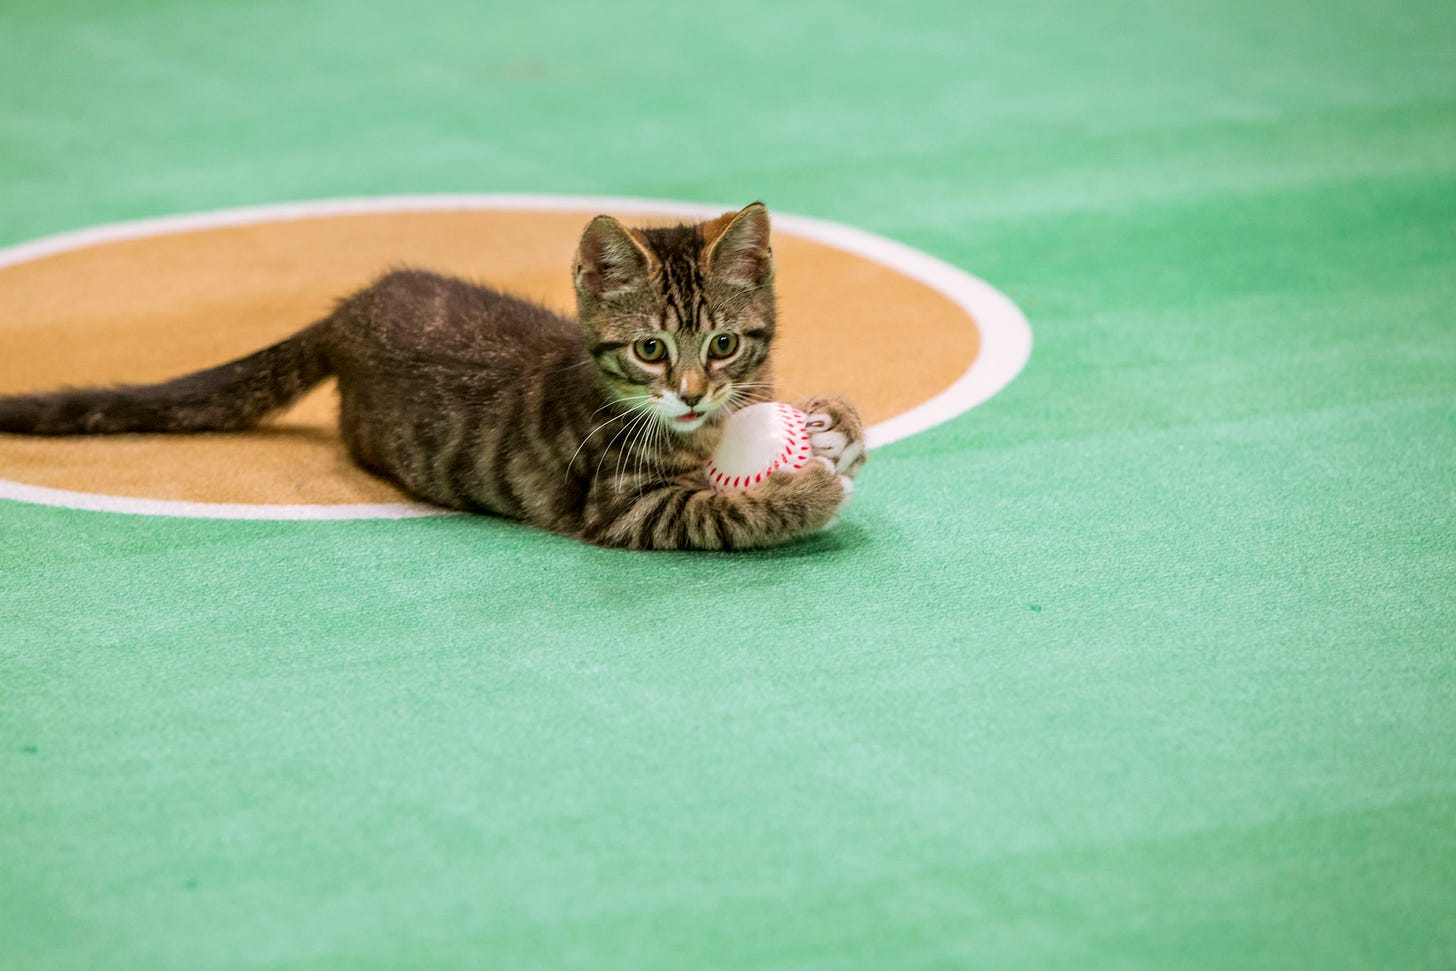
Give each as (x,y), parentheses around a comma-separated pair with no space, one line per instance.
(680,321)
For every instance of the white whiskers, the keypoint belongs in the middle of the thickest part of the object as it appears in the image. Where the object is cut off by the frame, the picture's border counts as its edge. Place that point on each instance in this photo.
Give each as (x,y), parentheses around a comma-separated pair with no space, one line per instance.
(615,401)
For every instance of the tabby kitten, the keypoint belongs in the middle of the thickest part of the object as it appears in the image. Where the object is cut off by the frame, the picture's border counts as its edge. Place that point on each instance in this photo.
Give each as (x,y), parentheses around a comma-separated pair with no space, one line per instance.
(476,400)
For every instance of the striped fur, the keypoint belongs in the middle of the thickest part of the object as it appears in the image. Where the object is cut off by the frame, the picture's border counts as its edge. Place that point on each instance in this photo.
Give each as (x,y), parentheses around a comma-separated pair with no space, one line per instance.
(477,400)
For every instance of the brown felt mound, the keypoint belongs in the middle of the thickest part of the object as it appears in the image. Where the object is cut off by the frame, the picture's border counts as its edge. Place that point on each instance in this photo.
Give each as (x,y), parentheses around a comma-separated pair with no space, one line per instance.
(147,309)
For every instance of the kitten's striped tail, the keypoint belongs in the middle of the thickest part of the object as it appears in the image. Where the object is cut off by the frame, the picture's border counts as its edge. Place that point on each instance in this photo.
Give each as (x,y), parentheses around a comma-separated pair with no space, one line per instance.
(229,397)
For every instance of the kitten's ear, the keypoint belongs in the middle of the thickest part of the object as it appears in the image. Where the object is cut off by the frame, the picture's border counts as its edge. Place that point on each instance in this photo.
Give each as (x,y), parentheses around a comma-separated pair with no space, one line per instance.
(736,249)
(610,260)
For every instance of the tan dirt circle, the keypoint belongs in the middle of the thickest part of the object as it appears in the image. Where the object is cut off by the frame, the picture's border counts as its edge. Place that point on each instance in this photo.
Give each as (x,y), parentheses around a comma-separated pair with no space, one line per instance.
(145,309)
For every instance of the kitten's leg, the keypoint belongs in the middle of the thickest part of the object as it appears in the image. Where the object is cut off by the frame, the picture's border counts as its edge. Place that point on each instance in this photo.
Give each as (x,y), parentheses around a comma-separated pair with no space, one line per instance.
(688,515)
(835,432)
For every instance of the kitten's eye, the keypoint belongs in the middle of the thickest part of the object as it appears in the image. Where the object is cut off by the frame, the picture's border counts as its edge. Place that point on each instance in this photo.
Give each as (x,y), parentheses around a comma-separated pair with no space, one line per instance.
(723,345)
(650,349)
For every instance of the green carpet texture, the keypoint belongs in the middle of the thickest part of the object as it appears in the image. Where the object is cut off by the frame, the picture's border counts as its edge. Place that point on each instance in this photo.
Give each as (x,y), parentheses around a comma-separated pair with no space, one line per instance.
(1148,662)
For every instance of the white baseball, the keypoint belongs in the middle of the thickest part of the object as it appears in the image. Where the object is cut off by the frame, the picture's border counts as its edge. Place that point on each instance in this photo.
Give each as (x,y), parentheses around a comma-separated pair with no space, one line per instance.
(758,441)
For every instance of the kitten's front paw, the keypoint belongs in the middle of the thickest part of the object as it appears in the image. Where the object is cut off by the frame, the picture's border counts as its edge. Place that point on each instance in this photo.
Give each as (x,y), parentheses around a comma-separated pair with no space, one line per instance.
(846,488)
(835,432)
(807,500)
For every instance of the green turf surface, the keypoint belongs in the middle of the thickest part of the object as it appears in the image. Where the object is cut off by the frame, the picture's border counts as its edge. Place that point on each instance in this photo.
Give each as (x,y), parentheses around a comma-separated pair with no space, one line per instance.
(1148,662)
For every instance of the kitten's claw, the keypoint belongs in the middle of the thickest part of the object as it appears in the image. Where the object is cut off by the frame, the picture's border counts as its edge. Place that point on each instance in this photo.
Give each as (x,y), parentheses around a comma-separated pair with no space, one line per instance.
(835,432)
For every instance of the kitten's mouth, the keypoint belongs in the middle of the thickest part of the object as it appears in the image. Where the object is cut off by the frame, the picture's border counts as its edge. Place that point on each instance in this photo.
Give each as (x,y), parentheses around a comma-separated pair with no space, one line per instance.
(688,421)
